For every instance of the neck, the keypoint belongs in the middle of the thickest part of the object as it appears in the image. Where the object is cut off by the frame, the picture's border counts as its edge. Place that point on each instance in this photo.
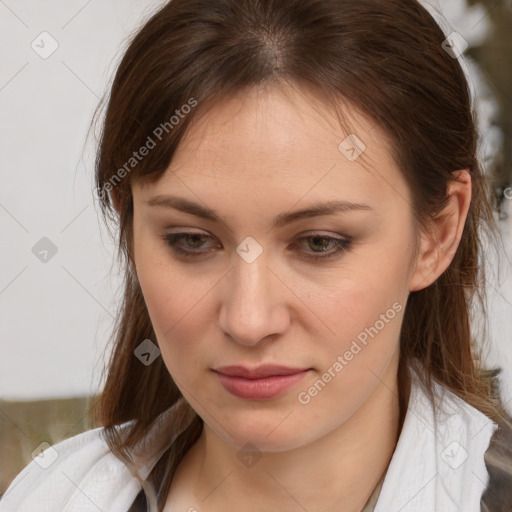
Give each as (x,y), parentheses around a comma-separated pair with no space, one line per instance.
(338,471)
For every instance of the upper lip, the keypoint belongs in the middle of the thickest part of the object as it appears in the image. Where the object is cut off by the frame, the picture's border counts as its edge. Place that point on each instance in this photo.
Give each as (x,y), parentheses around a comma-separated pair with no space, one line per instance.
(259,371)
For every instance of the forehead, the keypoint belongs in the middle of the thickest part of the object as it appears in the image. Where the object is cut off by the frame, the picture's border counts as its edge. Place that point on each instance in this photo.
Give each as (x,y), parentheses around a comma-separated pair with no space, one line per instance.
(282,141)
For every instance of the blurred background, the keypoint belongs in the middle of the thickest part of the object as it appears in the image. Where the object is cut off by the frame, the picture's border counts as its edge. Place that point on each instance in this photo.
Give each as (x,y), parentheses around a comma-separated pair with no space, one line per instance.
(58,280)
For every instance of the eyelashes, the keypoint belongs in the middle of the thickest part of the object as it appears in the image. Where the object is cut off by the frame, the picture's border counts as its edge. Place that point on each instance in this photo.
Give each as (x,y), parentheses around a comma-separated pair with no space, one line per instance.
(340,246)
(193,241)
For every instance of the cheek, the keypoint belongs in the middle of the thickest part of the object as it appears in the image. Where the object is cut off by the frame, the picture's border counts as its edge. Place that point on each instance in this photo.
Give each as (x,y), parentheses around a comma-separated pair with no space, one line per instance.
(368,317)
(361,348)
(362,312)
(177,302)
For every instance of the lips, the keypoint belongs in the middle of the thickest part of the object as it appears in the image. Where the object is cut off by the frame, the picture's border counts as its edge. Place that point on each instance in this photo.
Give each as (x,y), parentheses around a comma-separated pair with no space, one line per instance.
(261,383)
(258,372)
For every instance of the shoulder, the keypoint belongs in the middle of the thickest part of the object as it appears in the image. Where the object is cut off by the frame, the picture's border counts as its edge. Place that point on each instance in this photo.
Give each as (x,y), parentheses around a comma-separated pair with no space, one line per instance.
(438,462)
(498,460)
(491,439)
(79,473)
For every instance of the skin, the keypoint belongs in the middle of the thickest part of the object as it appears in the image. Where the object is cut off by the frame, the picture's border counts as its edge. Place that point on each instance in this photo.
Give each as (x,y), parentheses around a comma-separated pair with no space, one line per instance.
(250,158)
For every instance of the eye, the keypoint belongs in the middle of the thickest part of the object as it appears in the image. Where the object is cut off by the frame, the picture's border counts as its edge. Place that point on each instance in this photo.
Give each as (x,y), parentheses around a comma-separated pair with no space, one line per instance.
(319,241)
(194,242)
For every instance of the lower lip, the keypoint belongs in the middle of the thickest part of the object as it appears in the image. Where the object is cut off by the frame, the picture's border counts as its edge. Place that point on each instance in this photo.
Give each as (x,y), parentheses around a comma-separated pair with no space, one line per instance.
(260,389)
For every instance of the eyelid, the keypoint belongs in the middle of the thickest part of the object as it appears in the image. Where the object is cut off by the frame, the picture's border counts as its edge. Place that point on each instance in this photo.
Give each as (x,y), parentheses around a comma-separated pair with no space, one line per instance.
(343,244)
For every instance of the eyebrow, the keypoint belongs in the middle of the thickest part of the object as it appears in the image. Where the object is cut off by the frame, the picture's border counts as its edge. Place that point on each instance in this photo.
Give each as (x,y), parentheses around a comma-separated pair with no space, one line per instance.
(316,210)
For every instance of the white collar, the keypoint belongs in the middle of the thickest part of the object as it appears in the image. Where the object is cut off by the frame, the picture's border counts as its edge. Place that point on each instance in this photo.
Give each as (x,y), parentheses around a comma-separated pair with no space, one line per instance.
(438,463)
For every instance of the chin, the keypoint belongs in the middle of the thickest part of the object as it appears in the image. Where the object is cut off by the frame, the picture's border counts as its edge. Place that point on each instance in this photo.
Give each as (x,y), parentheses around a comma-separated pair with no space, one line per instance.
(266,431)
(261,442)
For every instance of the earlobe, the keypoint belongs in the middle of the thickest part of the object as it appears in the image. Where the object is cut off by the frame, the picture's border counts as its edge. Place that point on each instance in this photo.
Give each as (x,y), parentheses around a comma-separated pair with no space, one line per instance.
(439,244)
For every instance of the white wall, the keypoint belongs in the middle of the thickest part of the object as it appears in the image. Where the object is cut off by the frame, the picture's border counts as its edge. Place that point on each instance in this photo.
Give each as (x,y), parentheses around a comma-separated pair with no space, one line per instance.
(56,316)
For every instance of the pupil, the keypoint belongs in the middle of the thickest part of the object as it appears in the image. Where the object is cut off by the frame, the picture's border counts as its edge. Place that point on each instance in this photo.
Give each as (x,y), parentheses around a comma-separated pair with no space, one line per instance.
(316,238)
(195,238)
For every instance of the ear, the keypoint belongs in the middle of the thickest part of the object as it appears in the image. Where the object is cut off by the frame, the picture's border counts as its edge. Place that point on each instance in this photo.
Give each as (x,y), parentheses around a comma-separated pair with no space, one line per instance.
(439,245)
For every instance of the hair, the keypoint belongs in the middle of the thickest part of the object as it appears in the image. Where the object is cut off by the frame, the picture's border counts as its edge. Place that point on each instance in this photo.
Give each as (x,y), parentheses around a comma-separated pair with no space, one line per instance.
(385,59)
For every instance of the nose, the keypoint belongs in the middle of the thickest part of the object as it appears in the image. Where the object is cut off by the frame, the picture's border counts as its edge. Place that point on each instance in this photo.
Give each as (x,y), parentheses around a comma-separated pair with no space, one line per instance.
(254,303)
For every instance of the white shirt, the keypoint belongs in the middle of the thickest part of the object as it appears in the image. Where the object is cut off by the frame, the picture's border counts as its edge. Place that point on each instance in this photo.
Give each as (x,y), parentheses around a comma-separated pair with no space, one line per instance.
(438,464)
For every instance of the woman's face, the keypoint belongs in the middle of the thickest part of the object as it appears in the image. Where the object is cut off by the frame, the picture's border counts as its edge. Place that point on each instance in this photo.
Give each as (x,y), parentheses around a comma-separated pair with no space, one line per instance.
(243,288)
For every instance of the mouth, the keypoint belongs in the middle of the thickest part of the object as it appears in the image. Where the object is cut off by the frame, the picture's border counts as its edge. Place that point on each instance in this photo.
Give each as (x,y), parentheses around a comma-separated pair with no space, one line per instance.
(260,383)
(259,371)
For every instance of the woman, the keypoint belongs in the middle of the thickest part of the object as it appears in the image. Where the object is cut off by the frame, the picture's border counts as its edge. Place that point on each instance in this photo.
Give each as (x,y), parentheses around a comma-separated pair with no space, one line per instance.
(300,209)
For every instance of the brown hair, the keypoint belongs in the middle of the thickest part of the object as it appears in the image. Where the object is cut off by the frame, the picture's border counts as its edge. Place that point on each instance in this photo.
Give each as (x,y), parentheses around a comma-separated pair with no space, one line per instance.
(383,57)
